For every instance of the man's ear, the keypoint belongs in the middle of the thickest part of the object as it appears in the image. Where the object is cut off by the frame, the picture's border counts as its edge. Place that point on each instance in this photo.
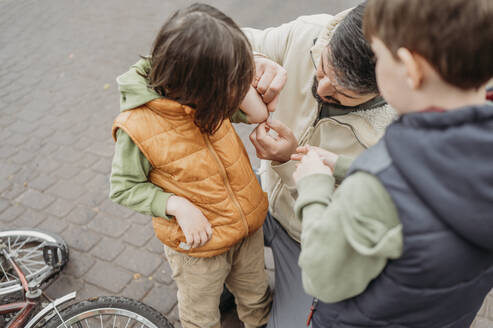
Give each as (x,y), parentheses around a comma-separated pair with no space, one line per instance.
(414,70)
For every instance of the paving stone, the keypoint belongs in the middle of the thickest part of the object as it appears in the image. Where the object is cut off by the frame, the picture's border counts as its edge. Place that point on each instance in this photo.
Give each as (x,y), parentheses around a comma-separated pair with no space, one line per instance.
(13,191)
(66,190)
(97,181)
(173,317)
(47,165)
(162,298)
(139,235)
(108,225)
(11,213)
(54,224)
(81,215)
(103,166)
(81,238)
(138,261)
(43,132)
(4,204)
(90,291)
(30,219)
(141,219)
(87,159)
(16,139)
(24,175)
(60,207)
(84,176)
(67,171)
(114,209)
(67,155)
(22,157)
(137,288)
(64,285)
(42,182)
(7,170)
(155,246)
(7,151)
(79,264)
(108,249)
(93,198)
(108,276)
(35,199)
(163,274)
(4,185)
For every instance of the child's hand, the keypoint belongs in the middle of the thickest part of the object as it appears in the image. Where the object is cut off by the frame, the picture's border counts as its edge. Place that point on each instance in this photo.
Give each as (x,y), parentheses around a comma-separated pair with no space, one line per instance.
(254,107)
(194,224)
(327,157)
(310,164)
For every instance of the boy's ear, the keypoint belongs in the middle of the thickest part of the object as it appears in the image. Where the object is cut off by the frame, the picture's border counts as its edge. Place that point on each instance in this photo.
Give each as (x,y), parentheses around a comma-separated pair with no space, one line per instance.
(414,69)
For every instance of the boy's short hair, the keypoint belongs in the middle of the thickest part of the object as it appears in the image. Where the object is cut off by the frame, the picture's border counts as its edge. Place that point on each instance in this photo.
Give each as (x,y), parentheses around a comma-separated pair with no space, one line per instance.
(201,58)
(454,36)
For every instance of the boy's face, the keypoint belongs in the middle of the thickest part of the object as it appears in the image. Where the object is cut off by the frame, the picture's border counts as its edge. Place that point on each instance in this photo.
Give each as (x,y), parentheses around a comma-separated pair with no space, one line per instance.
(392,78)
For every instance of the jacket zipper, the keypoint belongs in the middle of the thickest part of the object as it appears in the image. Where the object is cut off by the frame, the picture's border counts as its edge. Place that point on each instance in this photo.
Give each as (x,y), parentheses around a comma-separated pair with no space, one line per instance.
(226,181)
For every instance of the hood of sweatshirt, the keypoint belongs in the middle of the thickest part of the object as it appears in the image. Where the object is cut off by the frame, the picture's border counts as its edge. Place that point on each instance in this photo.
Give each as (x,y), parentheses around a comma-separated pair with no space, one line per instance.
(447,159)
(134,91)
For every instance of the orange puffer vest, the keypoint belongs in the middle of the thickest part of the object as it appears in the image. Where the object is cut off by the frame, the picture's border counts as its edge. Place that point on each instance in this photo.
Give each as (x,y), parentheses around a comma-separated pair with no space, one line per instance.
(213,172)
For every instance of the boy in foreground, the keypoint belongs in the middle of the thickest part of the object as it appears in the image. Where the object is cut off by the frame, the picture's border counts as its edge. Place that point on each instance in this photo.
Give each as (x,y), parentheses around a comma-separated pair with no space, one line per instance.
(423,196)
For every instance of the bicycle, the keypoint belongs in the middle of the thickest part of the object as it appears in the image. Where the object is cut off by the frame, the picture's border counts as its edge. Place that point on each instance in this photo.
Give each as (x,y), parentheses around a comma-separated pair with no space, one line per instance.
(37,310)
(40,254)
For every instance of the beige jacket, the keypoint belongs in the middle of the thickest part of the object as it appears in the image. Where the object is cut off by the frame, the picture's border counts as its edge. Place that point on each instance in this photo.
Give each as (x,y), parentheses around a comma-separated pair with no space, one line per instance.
(290,45)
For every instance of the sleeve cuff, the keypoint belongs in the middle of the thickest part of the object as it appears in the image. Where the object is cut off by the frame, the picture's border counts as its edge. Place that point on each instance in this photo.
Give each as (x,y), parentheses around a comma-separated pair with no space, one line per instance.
(159,203)
(314,188)
(285,171)
(341,168)
(239,117)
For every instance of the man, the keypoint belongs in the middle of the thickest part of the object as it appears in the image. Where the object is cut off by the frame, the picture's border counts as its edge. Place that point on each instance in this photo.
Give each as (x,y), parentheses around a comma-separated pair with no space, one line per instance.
(329,100)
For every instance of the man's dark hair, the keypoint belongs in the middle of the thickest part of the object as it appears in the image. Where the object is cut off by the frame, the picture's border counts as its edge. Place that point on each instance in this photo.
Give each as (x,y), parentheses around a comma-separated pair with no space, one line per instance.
(454,36)
(201,58)
(351,56)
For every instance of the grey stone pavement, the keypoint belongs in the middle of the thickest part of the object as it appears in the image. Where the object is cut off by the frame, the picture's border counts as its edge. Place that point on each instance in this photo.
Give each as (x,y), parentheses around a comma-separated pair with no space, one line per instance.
(58,98)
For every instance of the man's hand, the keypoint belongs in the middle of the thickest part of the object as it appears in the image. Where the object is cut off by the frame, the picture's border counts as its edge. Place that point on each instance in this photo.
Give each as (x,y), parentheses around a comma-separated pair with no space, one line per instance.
(275,148)
(269,80)
(193,223)
(310,164)
(327,157)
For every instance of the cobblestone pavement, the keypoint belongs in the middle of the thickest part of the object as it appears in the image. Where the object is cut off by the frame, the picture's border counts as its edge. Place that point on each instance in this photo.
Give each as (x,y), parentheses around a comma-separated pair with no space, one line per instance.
(58,98)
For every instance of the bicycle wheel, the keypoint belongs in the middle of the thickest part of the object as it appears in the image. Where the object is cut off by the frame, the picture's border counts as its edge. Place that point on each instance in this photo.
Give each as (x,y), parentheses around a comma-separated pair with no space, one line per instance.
(39,254)
(109,311)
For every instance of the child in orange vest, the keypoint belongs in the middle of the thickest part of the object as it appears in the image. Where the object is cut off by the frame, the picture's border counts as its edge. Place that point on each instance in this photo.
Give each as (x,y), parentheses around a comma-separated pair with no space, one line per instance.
(179,159)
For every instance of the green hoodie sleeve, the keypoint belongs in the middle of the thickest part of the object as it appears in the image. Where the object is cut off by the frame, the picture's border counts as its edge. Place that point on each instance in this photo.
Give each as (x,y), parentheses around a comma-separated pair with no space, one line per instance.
(129,185)
(347,235)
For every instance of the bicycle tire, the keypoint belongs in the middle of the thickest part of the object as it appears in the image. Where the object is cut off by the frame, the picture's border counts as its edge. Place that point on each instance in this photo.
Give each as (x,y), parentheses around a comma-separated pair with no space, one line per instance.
(43,274)
(93,310)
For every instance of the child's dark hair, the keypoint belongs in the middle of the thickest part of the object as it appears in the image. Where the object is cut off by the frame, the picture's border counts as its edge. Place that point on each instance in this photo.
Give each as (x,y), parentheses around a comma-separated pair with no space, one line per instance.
(201,58)
(454,36)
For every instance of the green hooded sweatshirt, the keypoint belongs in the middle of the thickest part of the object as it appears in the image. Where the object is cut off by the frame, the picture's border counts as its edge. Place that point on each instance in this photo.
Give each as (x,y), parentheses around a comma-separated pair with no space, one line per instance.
(129,185)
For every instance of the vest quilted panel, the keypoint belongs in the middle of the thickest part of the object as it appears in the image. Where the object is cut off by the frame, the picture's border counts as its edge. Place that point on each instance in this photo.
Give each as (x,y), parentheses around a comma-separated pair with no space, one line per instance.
(213,172)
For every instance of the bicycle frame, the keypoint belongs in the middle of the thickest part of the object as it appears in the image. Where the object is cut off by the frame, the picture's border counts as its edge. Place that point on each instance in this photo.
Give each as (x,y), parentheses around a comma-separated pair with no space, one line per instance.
(32,294)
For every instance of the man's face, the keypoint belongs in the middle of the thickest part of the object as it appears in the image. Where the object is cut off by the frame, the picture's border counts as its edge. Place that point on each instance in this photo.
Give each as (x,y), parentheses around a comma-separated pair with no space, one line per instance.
(326,90)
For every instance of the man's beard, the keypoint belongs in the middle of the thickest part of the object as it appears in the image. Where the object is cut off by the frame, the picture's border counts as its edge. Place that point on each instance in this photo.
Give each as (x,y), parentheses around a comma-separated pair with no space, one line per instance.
(319,99)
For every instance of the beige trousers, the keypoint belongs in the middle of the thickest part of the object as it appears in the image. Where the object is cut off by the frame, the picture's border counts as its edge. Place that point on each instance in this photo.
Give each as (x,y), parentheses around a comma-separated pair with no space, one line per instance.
(200,284)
